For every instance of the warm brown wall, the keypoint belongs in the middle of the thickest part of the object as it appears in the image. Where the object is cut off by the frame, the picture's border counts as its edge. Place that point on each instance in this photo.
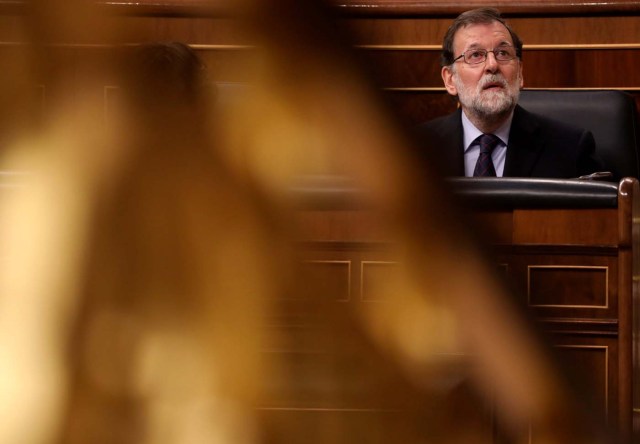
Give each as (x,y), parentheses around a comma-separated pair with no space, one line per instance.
(568,44)
(443,7)
(588,51)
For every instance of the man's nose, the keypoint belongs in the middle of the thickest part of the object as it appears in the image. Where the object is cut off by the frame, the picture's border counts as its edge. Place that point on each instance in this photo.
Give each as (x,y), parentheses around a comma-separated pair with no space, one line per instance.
(491,64)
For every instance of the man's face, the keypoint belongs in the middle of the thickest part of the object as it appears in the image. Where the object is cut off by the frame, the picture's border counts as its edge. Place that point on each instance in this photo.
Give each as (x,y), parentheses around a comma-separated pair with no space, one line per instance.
(489,88)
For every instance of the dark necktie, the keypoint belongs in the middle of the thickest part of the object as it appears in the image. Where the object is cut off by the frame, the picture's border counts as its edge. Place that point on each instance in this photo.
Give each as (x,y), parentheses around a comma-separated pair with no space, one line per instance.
(484,166)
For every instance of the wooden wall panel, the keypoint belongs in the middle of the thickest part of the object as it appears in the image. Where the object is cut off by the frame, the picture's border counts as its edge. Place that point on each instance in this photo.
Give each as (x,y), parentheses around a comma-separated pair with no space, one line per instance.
(577,30)
(579,303)
(561,51)
(191,30)
(439,7)
(376,278)
(591,362)
(329,280)
(543,68)
(406,69)
(577,51)
(562,32)
(544,278)
(377,8)
(568,286)
(543,30)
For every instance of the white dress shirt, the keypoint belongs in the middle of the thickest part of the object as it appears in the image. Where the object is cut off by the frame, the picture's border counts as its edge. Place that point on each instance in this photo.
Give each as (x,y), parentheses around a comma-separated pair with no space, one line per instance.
(472,147)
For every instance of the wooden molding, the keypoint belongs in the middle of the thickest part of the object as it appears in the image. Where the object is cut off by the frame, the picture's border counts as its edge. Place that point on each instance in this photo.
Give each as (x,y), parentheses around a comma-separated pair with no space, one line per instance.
(547,47)
(434,8)
(149,8)
(360,8)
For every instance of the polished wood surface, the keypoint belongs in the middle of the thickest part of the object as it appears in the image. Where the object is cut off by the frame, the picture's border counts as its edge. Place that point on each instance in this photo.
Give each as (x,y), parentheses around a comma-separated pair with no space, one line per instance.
(534,30)
(358,7)
(571,68)
(439,7)
(572,269)
(573,44)
(560,52)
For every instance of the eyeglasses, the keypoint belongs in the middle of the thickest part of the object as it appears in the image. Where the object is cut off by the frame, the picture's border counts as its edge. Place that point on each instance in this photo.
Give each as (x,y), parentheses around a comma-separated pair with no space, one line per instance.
(475,56)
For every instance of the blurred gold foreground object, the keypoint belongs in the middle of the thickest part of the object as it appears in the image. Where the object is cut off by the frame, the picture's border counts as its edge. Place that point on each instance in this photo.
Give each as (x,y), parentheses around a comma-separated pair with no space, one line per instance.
(145,258)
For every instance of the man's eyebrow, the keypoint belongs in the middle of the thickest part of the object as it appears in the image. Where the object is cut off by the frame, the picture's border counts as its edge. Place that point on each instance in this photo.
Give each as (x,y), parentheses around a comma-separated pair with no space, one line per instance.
(475,46)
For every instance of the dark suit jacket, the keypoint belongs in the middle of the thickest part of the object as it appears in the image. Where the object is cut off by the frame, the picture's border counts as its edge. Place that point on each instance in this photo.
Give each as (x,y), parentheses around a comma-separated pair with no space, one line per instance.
(538,146)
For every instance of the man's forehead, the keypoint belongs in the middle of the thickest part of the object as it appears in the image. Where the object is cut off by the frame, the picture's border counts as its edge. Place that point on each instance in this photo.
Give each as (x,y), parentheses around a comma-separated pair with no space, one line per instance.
(475,34)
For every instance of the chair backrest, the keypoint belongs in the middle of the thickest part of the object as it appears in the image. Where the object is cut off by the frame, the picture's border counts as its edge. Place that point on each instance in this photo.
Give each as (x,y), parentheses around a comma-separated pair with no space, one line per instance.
(610,115)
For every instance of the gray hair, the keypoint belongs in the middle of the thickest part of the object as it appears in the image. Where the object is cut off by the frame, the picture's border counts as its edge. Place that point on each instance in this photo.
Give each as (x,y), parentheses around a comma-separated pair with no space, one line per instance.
(475,17)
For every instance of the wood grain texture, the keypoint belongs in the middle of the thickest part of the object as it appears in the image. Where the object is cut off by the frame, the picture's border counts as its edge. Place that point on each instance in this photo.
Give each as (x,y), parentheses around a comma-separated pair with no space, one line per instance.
(592,364)
(573,268)
(535,30)
(542,68)
(568,286)
(360,8)
(438,8)
(558,226)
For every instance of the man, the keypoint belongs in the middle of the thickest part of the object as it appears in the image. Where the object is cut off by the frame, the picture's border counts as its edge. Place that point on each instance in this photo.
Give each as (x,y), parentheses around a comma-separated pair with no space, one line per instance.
(490,134)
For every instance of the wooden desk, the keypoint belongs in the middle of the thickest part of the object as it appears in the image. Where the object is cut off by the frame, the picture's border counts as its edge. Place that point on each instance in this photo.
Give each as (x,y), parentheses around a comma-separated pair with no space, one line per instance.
(576,268)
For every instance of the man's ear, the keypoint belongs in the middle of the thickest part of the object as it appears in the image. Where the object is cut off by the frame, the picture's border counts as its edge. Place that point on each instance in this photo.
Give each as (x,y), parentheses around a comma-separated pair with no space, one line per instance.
(447,78)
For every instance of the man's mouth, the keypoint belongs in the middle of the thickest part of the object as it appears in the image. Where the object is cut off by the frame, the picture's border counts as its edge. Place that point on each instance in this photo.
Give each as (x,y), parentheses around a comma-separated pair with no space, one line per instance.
(492,86)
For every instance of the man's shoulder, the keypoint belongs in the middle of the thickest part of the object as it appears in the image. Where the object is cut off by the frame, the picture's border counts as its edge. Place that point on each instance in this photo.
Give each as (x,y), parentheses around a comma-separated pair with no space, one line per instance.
(442,125)
(441,142)
(545,123)
(554,148)
(447,119)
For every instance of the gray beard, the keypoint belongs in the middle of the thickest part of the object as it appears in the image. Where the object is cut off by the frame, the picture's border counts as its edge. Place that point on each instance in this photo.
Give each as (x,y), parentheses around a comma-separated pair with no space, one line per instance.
(487,105)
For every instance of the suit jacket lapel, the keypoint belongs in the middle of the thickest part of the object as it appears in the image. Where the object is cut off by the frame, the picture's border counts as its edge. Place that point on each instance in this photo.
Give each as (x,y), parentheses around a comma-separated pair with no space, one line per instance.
(524,145)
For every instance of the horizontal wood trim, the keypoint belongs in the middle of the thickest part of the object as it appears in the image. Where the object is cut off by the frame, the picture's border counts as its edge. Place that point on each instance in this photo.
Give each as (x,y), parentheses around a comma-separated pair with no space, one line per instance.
(344,246)
(437,48)
(358,8)
(570,47)
(443,90)
(434,8)
(147,8)
(601,324)
(329,409)
(562,250)
(169,9)
(534,30)
(581,327)
(198,47)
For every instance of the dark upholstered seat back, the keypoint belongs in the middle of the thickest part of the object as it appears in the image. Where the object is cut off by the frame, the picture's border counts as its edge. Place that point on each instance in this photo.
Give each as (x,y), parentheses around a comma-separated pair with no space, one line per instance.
(609,115)
(519,192)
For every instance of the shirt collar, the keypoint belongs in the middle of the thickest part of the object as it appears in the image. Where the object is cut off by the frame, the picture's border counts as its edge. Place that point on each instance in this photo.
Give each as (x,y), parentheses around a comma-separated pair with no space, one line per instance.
(471,133)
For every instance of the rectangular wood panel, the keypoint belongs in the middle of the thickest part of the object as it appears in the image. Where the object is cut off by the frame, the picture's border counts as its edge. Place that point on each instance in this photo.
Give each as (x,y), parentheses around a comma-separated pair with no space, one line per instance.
(592,364)
(570,286)
(596,227)
(377,281)
(328,280)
